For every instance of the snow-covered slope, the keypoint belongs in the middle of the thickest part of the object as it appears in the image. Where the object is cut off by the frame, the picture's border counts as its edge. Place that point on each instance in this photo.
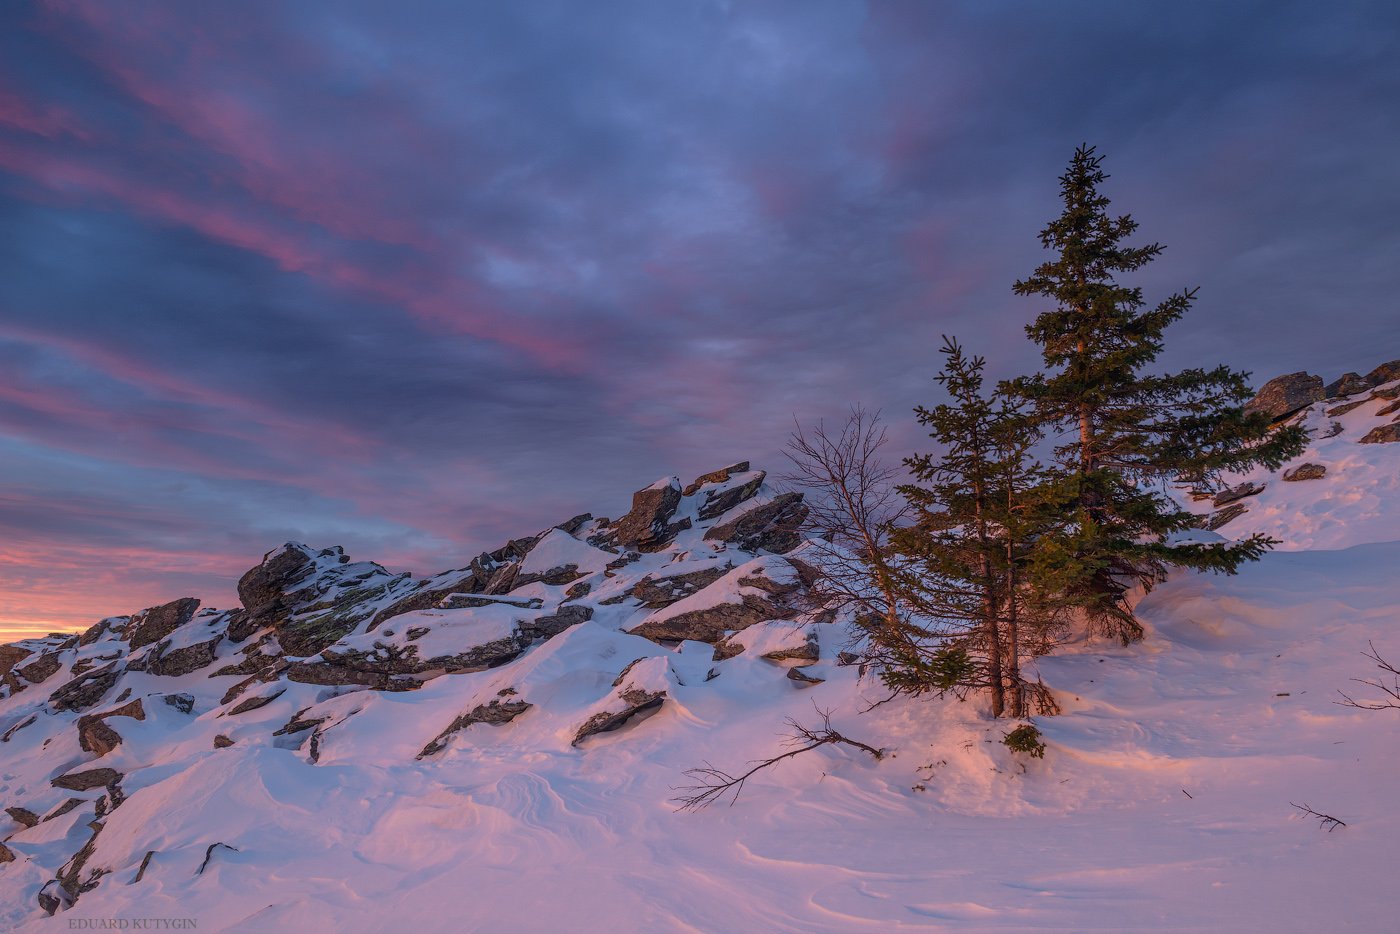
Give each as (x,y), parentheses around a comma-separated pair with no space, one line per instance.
(496,747)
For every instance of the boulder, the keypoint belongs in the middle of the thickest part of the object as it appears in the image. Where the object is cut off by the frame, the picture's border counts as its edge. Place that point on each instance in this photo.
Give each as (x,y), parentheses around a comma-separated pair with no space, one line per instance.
(1281,396)
(87,779)
(222,742)
(646,526)
(1305,472)
(156,623)
(547,627)
(1345,407)
(85,690)
(253,703)
(1349,385)
(775,640)
(800,678)
(728,495)
(40,669)
(1385,434)
(181,702)
(1229,495)
(715,476)
(11,655)
(23,816)
(1385,373)
(7,855)
(96,737)
(1390,409)
(772,526)
(265,589)
(53,897)
(175,662)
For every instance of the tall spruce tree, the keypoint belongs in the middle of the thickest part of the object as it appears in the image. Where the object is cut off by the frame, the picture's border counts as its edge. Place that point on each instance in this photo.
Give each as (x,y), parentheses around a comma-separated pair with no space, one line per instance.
(978,604)
(1127,431)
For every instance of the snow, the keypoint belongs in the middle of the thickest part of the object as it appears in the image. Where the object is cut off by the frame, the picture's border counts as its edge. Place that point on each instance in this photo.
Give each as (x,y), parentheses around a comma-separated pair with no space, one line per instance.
(1163,803)
(558,549)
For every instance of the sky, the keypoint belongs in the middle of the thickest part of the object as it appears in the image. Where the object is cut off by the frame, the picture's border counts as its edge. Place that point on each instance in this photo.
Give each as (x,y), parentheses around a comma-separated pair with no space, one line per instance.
(419,278)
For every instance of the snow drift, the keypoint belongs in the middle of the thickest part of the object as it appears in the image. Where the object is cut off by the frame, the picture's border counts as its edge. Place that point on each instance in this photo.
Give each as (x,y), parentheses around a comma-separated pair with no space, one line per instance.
(495,747)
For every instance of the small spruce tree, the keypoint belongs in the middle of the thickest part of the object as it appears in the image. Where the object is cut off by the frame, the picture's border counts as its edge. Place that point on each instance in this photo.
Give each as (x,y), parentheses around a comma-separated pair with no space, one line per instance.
(1128,431)
(977,604)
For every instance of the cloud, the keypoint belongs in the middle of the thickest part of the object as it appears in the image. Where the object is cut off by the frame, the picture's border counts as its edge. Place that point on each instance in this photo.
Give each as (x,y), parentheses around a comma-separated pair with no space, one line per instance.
(417,281)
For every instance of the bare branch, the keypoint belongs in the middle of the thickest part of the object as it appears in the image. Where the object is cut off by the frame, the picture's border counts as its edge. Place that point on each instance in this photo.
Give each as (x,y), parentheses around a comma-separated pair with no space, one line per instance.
(712,784)
(1391,690)
(1323,820)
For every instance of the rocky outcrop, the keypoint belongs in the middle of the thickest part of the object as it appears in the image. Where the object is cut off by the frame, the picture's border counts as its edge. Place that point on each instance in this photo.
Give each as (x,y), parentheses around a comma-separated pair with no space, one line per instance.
(1349,385)
(728,495)
(772,526)
(658,592)
(1385,434)
(96,735)
(1281,396)
(647,526)
(1305,472)
(1385,373)
(85,690)
(23,816)
(156,623)
(749,594)
(11,655)
(175,662)
(41,669)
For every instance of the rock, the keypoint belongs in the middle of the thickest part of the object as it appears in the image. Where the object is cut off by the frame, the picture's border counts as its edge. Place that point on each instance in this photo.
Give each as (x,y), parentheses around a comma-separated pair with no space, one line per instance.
(751,593)
(773,526)
(646,525)
(776,641)
(1384,373)
(498,711)
(1344,408)
(715,476)
(181,702)
(470,601)
(1388,409)
(435,593)
(1305,472)
(23,816)
(87,779)
(1349,385)
(547,627)
(53,897)
(1240,492)
(1283,395)
(40,669)
(103,626)
(27,721)
(800,677)
(1385,434)
(1228,514)
(64,808)
(222,742)
(7,855)
(159,621)
(85,690)
(182,661)
(264,590)
(1334,429)
(253,703)
(658,592)
(97,737)
(11,655)
(718,502)
(636,702)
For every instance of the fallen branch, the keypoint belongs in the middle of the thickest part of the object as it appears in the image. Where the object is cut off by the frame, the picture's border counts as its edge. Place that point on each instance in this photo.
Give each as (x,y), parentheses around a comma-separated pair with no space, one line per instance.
(1390,690)
(1323,820)
(712,784)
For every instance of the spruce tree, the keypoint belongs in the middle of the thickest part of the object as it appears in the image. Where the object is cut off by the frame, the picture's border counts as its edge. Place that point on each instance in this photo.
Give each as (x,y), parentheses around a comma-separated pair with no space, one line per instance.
(963,563)
(1128,431)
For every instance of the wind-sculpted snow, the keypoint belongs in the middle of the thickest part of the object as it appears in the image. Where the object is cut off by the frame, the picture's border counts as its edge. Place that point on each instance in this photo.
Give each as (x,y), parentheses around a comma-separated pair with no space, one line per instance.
(496,747)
